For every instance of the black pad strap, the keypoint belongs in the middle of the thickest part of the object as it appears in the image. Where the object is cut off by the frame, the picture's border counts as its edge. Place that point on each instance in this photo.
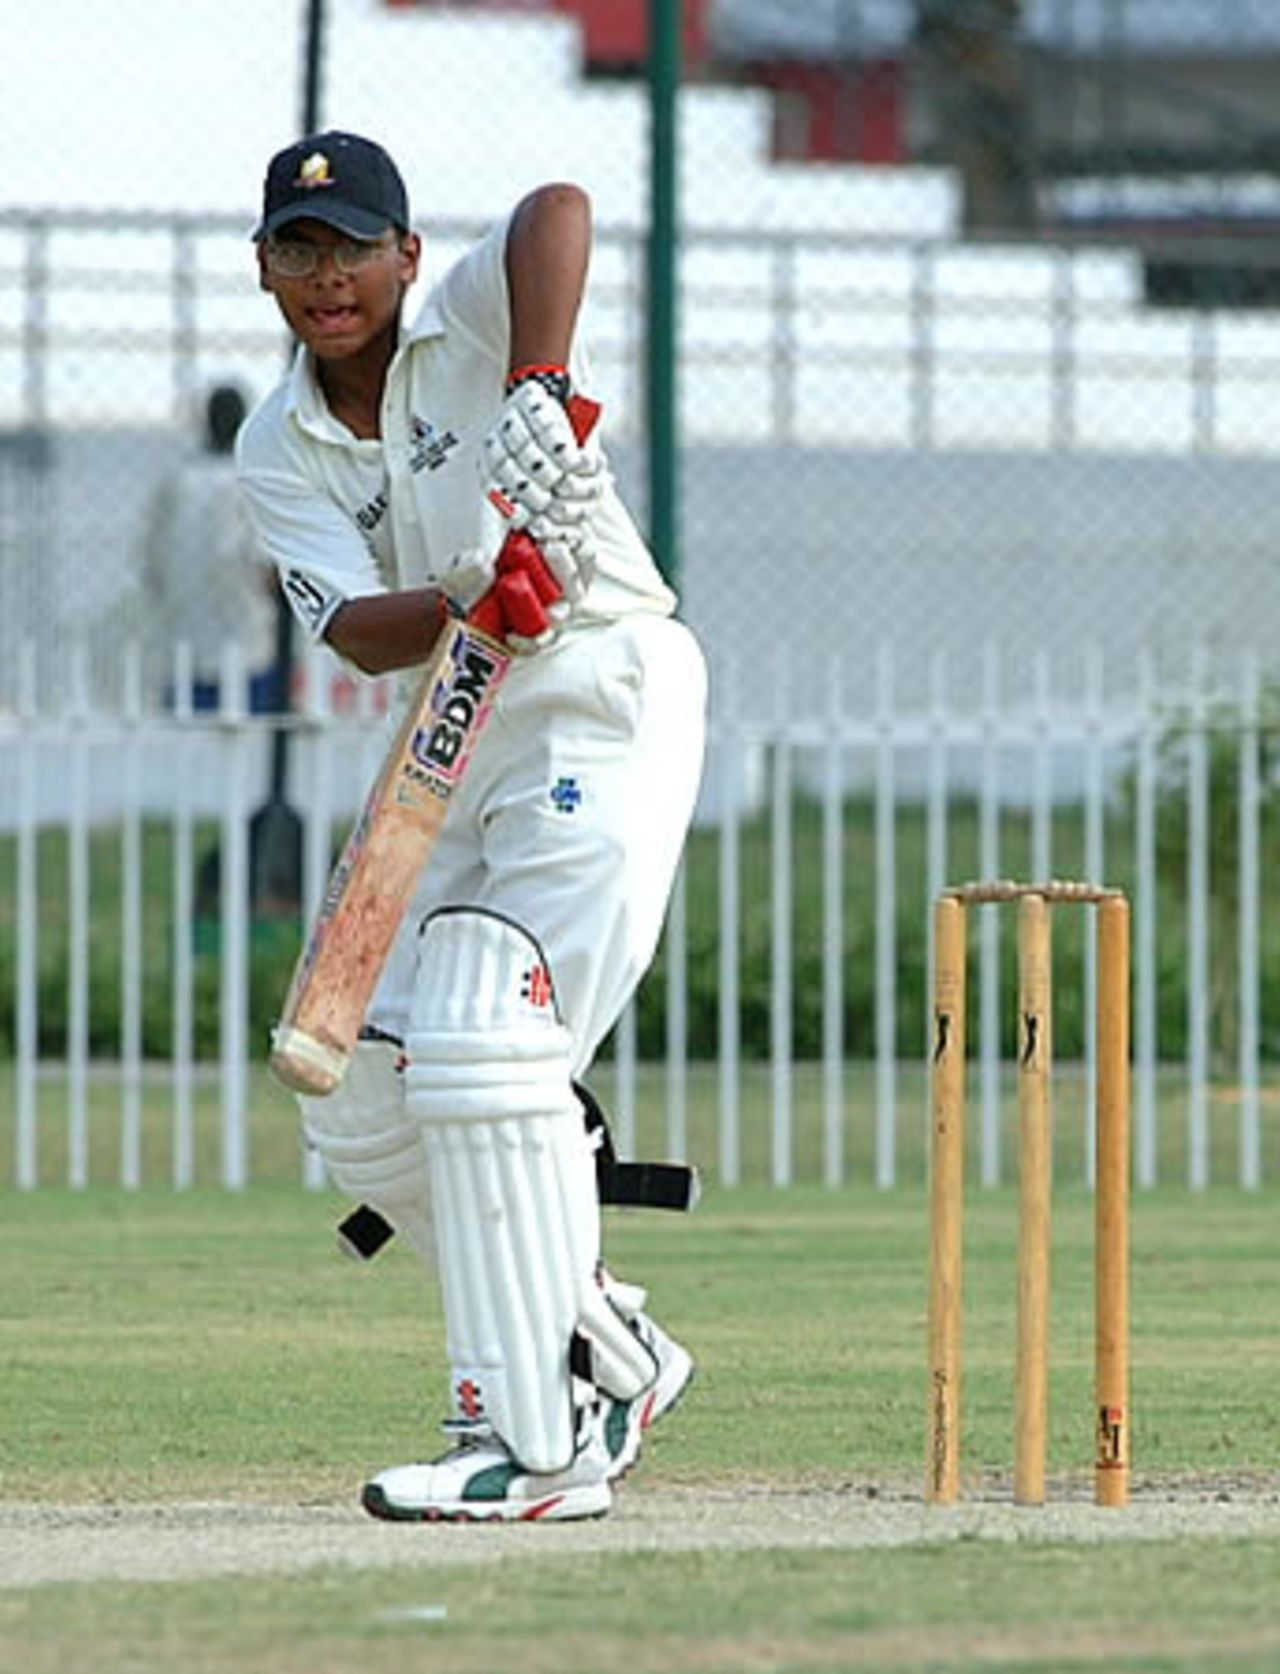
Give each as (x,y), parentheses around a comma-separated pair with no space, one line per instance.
(625,1185)
(642,1185)
(633,1185)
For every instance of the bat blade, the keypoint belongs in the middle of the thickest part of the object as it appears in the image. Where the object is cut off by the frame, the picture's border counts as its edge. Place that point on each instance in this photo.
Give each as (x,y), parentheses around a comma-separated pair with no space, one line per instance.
(375,877)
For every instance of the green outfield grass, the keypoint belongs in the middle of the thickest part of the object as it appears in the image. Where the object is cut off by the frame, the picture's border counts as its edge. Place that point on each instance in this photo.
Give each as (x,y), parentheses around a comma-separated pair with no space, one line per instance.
(205,1342)
(207,1345)
(1199,1609)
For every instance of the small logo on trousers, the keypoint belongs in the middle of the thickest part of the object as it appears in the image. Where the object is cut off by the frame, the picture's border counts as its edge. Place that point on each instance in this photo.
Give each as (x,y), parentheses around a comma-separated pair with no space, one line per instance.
(566,795)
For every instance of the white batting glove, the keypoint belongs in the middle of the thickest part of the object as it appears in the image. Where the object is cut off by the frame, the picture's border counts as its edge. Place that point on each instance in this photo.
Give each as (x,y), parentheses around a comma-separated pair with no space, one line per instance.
(576,496)
(532,459)
(569,552)
(467,575)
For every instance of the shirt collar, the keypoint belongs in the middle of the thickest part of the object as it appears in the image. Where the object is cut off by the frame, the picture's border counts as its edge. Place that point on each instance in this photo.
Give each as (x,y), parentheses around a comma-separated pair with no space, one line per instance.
(428,322)
(306,403)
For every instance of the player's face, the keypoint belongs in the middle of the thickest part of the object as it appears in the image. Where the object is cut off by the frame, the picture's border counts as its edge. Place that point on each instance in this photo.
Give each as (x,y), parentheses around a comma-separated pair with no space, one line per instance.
(351,296)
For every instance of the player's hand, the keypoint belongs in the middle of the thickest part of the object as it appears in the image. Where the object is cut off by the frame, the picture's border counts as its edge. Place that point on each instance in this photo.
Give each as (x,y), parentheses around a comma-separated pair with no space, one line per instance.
(569,552)
(467,576)
(549,558)
(525,606)
(534,465)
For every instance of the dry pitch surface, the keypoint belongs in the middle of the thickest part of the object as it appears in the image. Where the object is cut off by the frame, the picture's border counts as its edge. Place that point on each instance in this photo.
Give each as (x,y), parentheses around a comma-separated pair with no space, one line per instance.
(131,1541)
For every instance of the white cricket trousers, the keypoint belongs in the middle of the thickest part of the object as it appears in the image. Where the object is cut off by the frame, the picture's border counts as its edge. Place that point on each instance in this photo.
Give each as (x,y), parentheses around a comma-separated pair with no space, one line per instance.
(572,816)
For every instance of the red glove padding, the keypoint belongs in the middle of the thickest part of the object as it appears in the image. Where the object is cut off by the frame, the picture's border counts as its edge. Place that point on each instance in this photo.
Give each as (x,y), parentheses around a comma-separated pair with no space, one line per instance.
(520,599)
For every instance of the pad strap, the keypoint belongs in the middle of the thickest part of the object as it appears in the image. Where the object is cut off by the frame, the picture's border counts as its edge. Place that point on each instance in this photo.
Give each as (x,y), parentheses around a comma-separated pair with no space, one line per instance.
(633,1184)
(623,1185)
(371,1152)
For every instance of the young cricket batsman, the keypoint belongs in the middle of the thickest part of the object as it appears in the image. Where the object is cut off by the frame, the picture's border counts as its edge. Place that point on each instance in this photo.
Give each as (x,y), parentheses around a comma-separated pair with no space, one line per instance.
(383,476)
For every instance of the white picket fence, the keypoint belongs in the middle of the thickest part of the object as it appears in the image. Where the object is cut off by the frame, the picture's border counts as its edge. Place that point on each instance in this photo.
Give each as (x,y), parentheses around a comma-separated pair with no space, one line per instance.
(81,764)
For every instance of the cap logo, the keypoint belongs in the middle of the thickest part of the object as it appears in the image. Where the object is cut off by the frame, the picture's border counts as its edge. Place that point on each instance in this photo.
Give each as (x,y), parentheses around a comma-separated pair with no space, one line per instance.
(314,172)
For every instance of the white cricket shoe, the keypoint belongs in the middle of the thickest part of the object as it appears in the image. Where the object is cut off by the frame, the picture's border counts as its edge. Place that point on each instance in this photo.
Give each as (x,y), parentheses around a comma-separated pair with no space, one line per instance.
(625,1422)
(478,1481)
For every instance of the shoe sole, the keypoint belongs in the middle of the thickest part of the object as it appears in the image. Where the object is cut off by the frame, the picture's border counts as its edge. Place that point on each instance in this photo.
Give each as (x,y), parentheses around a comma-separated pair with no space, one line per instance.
(573,1505)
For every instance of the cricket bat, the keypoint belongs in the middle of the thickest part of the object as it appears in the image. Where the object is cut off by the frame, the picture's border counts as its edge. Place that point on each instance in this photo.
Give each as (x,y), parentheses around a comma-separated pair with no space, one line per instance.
(376,874)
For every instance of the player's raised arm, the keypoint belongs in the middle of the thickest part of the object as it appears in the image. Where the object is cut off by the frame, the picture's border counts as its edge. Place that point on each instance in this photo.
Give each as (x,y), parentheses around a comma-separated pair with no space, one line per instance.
(548,251)
(539,470)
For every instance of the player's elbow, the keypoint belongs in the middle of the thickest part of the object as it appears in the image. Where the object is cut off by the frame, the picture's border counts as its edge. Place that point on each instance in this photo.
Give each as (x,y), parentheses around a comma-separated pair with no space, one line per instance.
(360,650)
(561,197)
(559,211)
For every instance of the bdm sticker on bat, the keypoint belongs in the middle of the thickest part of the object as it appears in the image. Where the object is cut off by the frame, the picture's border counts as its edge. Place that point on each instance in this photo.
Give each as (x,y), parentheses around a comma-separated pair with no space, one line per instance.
(460,706)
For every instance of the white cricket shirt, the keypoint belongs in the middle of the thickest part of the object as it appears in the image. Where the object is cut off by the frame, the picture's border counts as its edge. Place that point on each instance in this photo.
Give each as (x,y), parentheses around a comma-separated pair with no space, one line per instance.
(344,517)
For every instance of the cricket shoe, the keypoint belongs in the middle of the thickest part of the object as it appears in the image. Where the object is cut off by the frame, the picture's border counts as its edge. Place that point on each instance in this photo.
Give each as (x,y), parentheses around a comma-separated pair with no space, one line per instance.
(478,1481)
(625,1423)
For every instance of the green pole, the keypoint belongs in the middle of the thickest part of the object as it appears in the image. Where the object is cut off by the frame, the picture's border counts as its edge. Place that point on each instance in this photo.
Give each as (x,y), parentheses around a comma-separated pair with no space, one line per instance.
(664,83)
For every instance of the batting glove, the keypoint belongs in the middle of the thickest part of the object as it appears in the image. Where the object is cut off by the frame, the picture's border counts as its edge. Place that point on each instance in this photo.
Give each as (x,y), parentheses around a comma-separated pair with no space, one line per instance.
(534,465)
(524,607)
(569,552)
(467,575)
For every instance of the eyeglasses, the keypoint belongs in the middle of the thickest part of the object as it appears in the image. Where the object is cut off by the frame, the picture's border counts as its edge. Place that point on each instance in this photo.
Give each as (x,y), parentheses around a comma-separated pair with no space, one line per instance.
(293,258)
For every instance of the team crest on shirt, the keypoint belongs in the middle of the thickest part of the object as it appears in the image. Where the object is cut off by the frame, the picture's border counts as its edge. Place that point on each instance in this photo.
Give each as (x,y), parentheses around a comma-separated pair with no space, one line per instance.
(429,447)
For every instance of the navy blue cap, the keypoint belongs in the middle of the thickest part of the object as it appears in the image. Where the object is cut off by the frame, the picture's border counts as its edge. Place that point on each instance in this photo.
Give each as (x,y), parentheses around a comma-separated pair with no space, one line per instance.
(348,182)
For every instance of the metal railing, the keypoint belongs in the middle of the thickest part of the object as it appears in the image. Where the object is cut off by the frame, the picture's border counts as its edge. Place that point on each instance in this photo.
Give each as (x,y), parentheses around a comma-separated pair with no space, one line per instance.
(983,792)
